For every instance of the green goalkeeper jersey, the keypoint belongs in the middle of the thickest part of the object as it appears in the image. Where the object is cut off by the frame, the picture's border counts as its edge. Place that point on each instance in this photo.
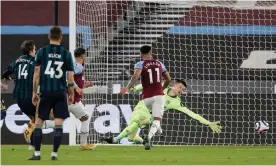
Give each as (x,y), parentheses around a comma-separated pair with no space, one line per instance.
(172,103)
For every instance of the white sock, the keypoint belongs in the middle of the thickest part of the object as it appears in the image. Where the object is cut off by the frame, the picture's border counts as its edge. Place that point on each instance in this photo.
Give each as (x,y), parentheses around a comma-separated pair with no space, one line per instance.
(84,132)
(159,131)
(83,139)
(54,154)
(154,127)
(115,140)
(37,153)
(48,124)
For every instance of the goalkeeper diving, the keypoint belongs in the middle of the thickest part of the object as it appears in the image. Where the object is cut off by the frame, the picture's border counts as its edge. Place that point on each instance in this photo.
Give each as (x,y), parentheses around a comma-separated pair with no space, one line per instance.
(142,117)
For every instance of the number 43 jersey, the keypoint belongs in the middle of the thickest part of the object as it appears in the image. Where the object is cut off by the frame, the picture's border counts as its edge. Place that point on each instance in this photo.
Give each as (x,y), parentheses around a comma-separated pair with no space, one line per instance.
(54,62)
(151,77)
(23,69)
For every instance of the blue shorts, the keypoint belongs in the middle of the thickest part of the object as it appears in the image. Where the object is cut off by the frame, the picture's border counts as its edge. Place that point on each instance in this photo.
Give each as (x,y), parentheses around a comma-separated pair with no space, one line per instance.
(27,107)
(55,100)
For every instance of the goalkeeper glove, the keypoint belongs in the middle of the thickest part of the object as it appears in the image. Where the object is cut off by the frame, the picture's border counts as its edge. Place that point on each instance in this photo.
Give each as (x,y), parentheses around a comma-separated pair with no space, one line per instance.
(216,128)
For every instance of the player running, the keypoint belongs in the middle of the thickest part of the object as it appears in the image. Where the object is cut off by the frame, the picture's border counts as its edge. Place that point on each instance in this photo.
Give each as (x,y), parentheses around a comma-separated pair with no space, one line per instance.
(52,63)
(142,117)
(23,69)
(77,108)
(151,72)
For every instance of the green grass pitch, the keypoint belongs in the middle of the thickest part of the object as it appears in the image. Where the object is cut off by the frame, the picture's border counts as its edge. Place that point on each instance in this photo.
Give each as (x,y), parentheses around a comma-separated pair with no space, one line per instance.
(136,155)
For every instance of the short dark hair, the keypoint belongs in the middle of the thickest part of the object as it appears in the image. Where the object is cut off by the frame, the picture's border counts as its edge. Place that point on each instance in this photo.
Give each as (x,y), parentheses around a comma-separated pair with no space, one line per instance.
(27,46)
(180,82)
(79,52)
(55,33)
(145,49)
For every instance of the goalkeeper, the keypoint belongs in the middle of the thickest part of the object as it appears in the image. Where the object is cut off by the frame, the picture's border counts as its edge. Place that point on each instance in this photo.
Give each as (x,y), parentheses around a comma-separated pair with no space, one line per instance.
(142,117)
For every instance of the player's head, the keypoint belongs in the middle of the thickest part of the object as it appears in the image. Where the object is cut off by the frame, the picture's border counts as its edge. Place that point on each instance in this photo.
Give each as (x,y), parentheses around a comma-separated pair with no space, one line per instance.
(55,34)
(79,54)
(146,52)
(28,48)
(179,86)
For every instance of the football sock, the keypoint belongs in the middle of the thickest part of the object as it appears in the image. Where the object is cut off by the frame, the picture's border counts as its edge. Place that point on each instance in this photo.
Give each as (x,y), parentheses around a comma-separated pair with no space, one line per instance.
(37,139)
(32,139)
(154,127)
(83,139)
(57,137)
(84,132)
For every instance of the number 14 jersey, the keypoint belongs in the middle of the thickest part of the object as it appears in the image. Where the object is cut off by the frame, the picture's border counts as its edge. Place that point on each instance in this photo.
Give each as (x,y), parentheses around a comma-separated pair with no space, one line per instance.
(151,77)
(23,69)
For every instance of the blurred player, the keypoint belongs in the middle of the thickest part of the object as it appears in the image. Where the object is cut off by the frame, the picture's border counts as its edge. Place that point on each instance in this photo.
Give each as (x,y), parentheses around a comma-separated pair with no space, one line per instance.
(23,69)
(52,63)
(151,72)
(77,108)
(4,87)
(141,115)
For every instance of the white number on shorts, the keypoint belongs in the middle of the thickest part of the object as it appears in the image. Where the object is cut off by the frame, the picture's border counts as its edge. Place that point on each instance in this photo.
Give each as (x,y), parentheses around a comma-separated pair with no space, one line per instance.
(22,71)
(52,72)
(150,75)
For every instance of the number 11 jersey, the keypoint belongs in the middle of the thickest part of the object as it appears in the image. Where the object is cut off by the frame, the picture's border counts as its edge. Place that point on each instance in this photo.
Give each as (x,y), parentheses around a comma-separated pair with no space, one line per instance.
(151,77)
(54,62)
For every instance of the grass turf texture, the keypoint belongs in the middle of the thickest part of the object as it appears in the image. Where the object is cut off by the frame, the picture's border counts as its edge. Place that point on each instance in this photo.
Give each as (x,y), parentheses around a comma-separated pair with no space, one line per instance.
(136,155)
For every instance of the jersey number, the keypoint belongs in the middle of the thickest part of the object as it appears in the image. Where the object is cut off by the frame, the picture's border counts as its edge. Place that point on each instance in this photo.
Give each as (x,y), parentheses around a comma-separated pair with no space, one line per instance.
(150,75)
(57,73)
(22,71)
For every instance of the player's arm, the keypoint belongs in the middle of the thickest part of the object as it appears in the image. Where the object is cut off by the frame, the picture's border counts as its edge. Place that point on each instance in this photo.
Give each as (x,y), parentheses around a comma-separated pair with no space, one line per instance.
(70,77)
(213,125)
(166,76)
(6,73)
(134,78)
(36,76)
(36,79)
(78,70)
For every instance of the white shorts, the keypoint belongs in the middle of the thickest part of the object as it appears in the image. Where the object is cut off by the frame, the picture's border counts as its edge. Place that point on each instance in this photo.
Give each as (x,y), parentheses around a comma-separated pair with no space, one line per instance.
(156,104)
(77,109)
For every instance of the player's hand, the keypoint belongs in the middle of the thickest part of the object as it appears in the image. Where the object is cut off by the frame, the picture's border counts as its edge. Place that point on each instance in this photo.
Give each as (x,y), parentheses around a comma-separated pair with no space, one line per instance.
(123,91)
(88,84)
(215,127)
(70,99)
(35,99)
(79,90)
(6,80)
(4,87)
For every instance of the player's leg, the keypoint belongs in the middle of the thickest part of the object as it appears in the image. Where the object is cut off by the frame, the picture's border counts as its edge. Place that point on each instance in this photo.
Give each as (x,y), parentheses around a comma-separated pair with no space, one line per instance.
(134,137)
(79,111)
(157,113)
(139,119)
(60,110)
(44,107)
(29,109)
(3,110)
(49,123)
